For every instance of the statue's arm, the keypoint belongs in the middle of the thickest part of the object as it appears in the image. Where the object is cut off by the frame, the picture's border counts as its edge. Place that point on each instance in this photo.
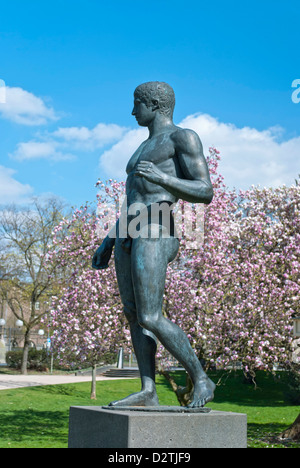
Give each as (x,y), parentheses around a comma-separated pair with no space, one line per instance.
(196,186)
(103,253)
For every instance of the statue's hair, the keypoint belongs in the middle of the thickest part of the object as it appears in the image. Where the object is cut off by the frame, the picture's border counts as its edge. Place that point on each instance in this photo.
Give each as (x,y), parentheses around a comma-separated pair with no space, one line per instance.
(160,91)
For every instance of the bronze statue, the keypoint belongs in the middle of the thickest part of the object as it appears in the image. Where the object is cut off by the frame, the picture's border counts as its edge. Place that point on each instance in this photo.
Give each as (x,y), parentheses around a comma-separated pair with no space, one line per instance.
(168,166)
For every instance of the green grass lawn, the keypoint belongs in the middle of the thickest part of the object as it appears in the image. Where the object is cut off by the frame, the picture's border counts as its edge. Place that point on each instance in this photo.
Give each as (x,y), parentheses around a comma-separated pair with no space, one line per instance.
(37,417)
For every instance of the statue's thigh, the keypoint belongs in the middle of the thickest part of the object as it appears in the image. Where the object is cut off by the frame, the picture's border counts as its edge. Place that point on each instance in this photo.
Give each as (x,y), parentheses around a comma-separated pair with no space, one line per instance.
(123,272)
(149,261)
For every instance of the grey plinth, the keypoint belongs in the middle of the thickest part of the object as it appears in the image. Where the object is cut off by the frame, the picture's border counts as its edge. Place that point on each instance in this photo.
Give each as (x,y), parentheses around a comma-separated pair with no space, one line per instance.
(95,427)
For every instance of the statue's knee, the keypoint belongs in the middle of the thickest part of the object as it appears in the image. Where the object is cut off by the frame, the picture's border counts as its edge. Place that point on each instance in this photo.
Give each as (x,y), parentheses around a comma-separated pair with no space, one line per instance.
(148,322)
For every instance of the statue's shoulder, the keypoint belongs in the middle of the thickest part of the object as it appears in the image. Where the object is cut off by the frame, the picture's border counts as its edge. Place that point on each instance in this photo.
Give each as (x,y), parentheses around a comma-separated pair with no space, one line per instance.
(186,139)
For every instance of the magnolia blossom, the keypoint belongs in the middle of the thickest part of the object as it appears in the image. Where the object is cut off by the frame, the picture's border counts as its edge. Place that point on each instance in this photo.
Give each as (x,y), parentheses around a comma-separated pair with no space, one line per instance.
(86,316)
(246,277)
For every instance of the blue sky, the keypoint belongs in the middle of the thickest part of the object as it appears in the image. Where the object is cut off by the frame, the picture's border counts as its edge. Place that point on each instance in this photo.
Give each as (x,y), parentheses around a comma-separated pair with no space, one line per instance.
(70,69)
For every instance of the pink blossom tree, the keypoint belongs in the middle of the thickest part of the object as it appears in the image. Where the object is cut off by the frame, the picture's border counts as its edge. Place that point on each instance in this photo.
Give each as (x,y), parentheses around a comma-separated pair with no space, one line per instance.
(235,296)
(85,317)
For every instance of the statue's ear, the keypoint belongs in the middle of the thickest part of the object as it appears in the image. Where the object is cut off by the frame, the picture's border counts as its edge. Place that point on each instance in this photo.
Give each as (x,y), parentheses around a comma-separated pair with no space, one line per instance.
(155,104)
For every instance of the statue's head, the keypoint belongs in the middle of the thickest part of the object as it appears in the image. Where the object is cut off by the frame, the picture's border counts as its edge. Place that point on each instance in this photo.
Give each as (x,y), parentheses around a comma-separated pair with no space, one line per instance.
(157,93)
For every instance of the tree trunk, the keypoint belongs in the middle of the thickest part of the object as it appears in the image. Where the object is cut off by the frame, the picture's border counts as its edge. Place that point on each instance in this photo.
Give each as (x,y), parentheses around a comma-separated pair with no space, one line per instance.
(292,432)
(25,352)
(183,394)
(93,389)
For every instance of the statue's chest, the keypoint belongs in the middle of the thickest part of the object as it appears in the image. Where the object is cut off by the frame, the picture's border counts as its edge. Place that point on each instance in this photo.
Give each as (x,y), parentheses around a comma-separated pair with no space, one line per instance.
(156,150)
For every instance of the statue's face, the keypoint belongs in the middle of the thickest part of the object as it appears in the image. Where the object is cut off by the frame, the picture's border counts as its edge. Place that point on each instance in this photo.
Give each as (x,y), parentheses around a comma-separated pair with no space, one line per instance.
(143,114)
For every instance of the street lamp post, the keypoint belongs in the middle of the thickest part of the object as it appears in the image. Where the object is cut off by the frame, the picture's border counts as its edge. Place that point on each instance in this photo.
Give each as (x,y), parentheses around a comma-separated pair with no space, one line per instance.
(296,342)
(120,363)
(2,342)
(296,327)
(2,324)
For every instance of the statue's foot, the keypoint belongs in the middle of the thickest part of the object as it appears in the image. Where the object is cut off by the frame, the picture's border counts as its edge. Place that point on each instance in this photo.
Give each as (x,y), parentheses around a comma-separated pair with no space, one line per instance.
(142,398)
(203,393)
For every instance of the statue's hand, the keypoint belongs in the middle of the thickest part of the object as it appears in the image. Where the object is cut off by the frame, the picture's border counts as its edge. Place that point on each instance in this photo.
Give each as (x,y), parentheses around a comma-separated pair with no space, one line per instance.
(103,254)
(150,172)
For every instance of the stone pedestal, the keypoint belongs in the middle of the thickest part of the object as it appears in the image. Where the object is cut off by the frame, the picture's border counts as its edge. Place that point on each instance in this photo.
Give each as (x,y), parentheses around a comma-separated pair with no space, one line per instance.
(96,427)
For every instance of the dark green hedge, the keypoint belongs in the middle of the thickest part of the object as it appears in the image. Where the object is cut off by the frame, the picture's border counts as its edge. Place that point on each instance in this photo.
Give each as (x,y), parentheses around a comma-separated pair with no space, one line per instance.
(37,360)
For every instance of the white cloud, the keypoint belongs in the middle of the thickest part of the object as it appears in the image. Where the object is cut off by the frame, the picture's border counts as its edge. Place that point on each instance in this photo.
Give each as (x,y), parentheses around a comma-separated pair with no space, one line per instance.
(12,191)
(248,156)
(90,139)
(64,142)
(33,150)
(25,108)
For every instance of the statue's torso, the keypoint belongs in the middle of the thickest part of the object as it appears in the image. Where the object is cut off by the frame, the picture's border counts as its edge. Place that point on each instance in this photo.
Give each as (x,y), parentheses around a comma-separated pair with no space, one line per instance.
(159,150)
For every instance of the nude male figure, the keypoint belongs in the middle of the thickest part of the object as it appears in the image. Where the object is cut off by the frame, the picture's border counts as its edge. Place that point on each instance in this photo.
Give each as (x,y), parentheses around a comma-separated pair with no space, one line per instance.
(168,166)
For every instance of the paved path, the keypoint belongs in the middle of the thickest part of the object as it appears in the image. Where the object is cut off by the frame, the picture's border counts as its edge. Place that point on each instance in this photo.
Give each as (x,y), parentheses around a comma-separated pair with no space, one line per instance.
(18,380)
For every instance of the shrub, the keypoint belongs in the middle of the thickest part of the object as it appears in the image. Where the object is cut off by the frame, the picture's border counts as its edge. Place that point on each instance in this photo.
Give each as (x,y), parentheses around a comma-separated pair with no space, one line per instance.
(293,393)
(37,359)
